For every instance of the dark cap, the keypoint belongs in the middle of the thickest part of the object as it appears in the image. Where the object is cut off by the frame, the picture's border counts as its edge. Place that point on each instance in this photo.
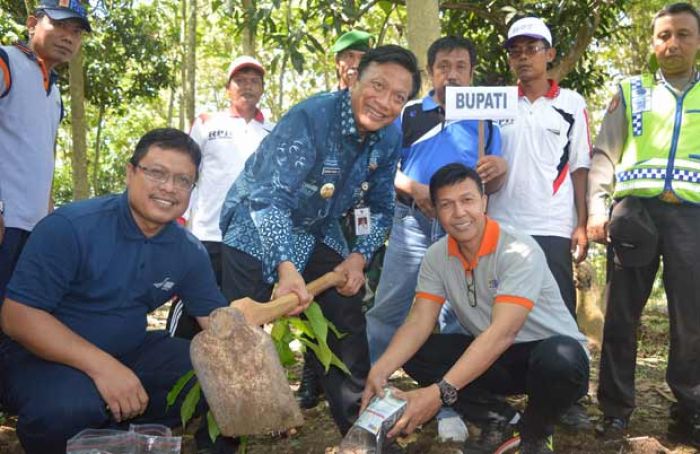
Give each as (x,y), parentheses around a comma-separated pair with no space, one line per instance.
(354,39)
(632,233)
(65,9)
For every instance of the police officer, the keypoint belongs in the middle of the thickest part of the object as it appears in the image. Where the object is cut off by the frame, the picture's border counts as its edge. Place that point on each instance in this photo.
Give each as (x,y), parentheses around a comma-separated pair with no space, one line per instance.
(646,156)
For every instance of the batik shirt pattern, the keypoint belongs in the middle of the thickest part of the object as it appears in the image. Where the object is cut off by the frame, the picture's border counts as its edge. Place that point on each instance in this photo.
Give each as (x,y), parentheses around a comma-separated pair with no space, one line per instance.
(275,210)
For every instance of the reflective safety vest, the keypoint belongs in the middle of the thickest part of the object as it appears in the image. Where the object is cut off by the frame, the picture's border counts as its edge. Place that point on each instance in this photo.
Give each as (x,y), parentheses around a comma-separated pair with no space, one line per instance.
(661,155)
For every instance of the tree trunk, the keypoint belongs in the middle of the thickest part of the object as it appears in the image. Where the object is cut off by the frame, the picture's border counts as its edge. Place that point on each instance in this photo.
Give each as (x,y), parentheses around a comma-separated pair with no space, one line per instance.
(171,106)
(183,69)
(423,29)
(78,128)
(29,6)
(191,60)
(96,163)
(248,34)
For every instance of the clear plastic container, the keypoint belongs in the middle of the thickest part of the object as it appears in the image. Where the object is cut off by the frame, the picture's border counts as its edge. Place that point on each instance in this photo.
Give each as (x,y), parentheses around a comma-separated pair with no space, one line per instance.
(140,439)
(368,434)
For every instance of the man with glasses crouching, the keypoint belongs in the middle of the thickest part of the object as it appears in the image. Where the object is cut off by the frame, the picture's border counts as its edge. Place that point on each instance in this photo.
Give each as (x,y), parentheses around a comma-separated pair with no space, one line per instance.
(77,353)
(524,339)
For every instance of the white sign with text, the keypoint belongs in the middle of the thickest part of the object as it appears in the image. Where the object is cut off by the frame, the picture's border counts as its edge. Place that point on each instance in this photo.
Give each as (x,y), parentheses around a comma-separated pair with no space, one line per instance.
(481,103)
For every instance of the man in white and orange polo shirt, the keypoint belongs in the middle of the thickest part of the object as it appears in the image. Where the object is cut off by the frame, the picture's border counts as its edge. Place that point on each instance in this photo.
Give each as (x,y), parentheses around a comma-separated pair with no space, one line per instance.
(524,340)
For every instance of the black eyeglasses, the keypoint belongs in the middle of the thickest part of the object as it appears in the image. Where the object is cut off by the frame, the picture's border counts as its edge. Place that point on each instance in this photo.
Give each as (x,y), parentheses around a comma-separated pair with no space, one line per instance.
(471,287)
(180,182)
(516,52)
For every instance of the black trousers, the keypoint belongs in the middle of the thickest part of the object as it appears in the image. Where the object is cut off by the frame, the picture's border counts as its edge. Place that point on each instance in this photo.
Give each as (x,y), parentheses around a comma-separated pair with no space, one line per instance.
(557,251)
(553,372)
(626,294)
(10,250)
(242,276)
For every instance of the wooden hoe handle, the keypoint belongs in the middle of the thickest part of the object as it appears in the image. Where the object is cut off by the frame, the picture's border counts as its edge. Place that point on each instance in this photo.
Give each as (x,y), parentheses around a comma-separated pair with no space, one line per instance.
(260,313)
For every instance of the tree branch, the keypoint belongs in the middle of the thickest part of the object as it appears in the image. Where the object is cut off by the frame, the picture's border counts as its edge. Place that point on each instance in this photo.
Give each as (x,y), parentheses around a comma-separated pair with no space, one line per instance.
(583,39)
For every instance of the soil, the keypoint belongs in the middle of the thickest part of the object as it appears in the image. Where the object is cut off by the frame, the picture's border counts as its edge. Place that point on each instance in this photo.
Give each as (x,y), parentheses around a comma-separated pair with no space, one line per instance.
(647,432)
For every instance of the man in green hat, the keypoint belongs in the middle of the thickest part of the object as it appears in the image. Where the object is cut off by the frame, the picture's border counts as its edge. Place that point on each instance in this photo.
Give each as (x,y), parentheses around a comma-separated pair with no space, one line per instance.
(348,50)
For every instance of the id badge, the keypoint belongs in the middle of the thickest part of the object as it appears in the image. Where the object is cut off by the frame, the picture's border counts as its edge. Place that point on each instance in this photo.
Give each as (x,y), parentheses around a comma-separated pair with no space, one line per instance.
(362,221)
(641,101)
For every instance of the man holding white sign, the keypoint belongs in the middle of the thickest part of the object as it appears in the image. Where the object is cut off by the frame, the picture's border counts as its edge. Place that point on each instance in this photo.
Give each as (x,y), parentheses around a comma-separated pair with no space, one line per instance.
(547,147)
(429,142)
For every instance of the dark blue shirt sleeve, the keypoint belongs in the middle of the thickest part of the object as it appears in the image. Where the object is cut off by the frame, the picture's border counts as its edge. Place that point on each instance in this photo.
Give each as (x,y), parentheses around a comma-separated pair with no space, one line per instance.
(198,290)
(48,264)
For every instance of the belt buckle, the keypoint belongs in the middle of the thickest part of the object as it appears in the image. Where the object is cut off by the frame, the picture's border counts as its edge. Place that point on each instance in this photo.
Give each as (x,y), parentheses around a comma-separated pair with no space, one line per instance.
(669,197)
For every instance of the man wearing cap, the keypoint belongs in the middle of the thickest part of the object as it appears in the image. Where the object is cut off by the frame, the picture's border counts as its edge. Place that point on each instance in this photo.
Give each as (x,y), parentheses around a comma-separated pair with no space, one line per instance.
(429,142)
(547,147)
(518,336)
(30,112)
(281,217)
(647,149)
(227,139)
(348,50)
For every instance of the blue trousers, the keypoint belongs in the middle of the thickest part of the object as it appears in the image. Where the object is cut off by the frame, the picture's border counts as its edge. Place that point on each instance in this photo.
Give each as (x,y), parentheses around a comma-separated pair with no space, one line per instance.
(412,233)
(54,402)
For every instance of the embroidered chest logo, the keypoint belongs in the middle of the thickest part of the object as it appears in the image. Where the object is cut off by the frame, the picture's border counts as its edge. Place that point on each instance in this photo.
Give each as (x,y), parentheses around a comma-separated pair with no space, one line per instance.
(493,284)
(166,284)
(220,134)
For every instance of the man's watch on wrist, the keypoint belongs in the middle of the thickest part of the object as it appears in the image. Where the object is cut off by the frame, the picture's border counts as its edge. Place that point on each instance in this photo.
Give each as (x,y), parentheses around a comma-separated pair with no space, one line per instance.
(448,393)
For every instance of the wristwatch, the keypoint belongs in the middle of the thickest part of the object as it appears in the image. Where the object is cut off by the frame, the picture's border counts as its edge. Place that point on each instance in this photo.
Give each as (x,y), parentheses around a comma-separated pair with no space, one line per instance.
(448,393)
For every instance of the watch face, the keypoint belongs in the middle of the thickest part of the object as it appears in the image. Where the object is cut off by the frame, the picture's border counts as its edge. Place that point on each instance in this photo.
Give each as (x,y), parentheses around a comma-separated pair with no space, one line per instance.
(448,393)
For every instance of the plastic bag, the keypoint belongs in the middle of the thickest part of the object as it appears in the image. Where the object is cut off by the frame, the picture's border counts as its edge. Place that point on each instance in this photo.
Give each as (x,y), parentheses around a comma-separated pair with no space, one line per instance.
(140,439)
(366,436)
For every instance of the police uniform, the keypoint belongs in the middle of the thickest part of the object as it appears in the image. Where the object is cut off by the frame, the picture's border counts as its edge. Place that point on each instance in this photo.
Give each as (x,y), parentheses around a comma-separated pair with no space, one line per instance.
(647,148)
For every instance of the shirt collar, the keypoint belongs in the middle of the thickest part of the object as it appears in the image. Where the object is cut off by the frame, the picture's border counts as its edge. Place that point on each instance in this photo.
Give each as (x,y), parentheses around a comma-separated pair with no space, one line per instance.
(659,77)
(429,103)
(259,117)
(348,126)
(132,231)
(489,241)
(50,77)
(552,93)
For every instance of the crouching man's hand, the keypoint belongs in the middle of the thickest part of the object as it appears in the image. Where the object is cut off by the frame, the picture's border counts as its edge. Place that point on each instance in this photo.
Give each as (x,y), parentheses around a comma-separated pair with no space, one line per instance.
(422,405)
(121,390)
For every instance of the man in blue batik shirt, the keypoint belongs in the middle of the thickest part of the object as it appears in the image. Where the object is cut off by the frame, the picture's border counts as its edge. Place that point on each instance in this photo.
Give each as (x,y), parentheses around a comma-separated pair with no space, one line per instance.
(328,154)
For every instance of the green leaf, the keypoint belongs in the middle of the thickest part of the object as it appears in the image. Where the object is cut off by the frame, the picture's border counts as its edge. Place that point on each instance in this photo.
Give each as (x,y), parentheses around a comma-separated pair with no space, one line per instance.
(279,329)
(386,6)
(177,388)
(285,353)
(302,326)
(322,352)
(243,447)
(190,403)
(335,361)
(318,322)
(212,426)
(335,330)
